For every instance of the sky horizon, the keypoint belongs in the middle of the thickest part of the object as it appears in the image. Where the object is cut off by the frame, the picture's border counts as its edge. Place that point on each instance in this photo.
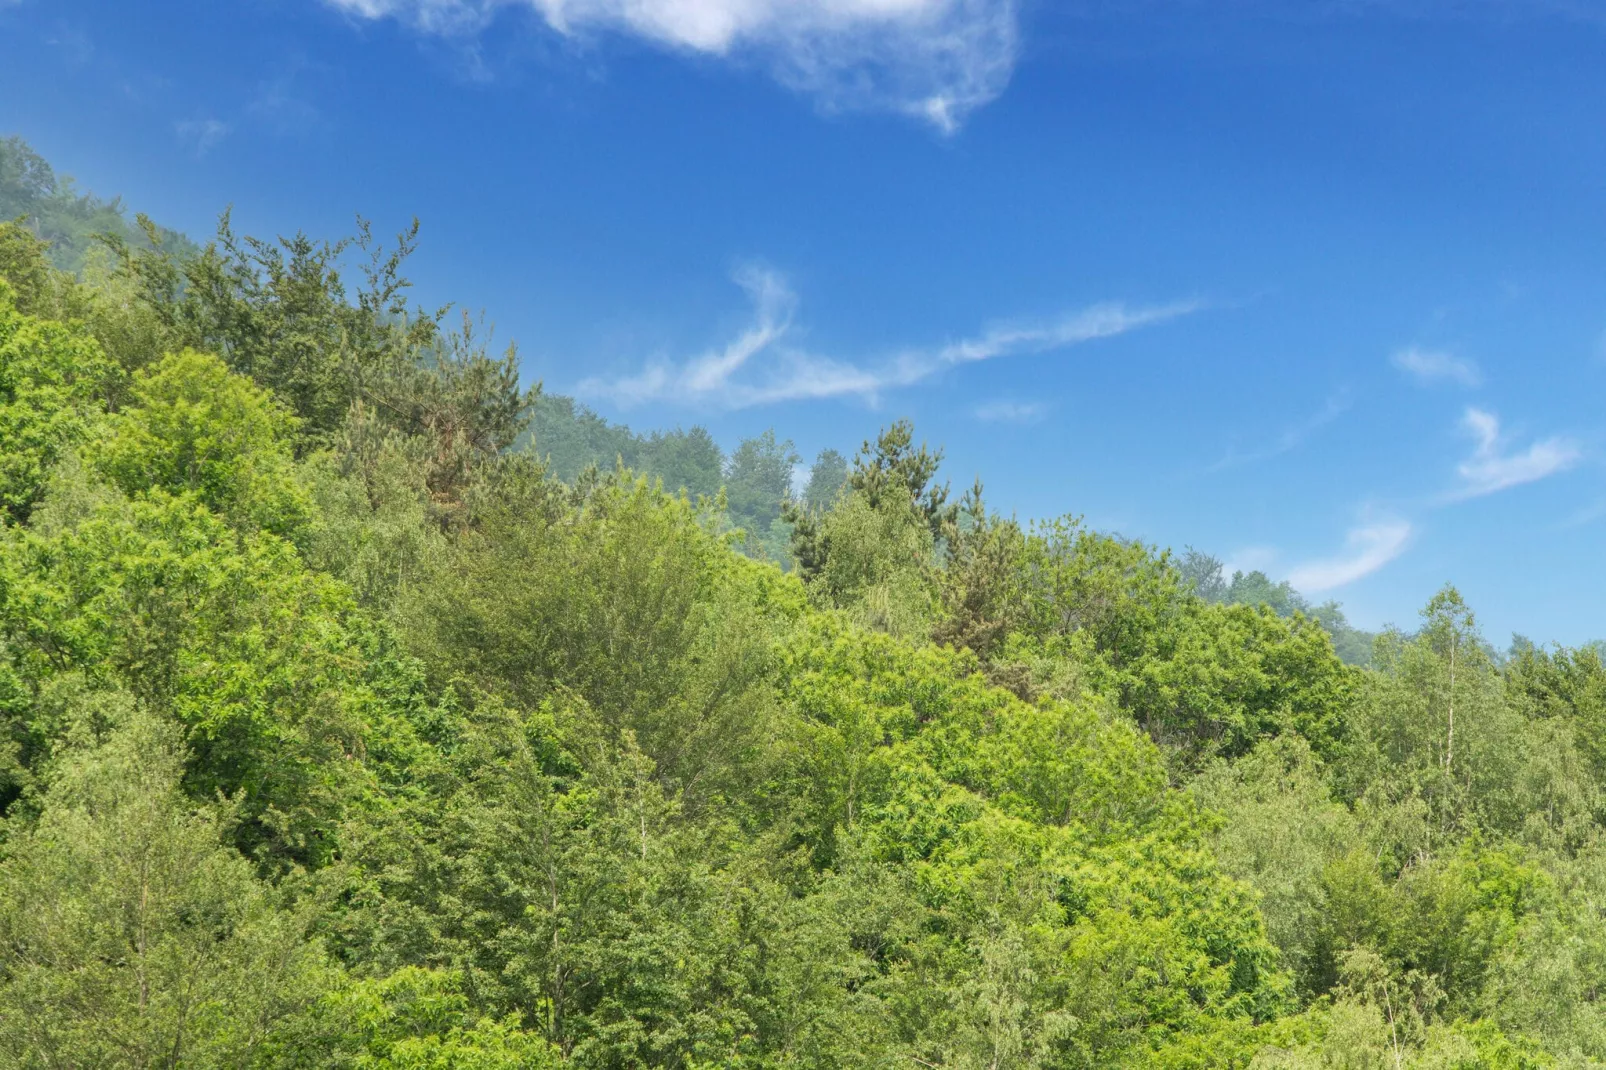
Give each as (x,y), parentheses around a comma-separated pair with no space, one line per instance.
(1317,290)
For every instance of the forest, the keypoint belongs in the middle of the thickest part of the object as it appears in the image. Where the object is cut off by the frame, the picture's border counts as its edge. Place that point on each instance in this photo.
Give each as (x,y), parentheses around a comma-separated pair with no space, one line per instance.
(363,707)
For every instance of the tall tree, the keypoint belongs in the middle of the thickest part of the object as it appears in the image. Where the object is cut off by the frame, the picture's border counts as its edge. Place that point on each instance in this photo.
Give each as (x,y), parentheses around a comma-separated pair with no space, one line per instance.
(130,936)
(827,476)
(894,461)
(758,477)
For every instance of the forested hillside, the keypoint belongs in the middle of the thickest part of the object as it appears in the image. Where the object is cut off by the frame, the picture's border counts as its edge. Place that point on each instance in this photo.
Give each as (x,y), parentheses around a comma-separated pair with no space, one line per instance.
(54,209)
(352,716)
(82,233)
(756,478)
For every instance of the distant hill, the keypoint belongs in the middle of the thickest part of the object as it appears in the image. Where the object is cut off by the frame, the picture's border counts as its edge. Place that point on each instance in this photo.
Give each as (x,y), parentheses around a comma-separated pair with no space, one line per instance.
(571,437)
(56,210)
(1209,580)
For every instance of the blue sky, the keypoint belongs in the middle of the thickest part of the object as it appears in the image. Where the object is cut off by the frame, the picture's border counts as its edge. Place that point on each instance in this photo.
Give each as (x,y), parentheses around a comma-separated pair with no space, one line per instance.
(1318,287)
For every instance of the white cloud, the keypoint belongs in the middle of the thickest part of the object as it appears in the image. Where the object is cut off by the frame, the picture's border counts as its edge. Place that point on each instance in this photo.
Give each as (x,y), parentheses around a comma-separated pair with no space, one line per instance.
(284,102)
(1436,366)
(1249,559)
(761,365)
(1291,438)
(1585,516)
(1366,549)
(202,134)
(936,60)
(1489,469)
(1011,412)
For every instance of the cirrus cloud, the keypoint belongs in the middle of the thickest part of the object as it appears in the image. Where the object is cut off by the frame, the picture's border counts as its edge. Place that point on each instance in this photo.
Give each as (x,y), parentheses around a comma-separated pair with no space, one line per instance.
(1491,468)
(1367,548)
(1004,411)
(936,60)
(1429,366)
(201,135)
(762,365)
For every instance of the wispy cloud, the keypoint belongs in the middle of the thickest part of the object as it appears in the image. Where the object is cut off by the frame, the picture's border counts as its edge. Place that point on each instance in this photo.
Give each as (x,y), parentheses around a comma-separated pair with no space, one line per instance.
(761,365)
(1585,516)
(936,60)
(1291,438)
(1249,559)
(1430,366)
(71,42)
(1011,412)
(202,134)
(1367,548)
(1491,468)
(283,104)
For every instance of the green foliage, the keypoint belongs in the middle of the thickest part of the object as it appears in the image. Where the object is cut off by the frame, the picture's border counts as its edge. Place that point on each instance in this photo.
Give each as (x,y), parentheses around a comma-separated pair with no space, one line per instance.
(415,1019)
(1046,834)
(575,444)
(1437,721)
(623,597)
(52,208)
(340,729)
(222,631)
(1566,688)
(1284,835)
(25,264)
(129,935)
(1227,676)
(571,438)
(758,479)
(827,476)
(279,313)
(1204,679)
(54,381)
(893,465)
(193,427)
(1204,573)
(889,480)
(880,564)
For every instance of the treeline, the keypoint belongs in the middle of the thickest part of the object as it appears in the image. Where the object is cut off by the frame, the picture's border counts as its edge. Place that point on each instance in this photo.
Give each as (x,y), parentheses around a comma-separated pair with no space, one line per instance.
(757,477)
(1254,588)
(72,222)
(335,731)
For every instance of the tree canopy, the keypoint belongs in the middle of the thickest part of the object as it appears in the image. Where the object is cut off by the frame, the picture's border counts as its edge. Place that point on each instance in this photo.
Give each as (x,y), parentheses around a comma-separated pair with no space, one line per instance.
(361,706)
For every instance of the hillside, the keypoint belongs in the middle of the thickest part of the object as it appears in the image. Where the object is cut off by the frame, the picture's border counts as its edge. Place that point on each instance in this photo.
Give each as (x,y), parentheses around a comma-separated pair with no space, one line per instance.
(342,727)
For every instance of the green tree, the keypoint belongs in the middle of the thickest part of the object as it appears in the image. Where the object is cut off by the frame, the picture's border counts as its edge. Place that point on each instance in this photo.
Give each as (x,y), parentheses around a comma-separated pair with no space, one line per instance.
(25,264)
(689,461)
(414,1019)
(223,632)
(758,478)
(570,438)
(129,935)
(625,598)
(895,470)
(1204,575)
(889,475)
(1434,726)
(881,563)
(827,476)
(54,384)
(1285,836)
(52,207)
(194,427)
(281,313)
